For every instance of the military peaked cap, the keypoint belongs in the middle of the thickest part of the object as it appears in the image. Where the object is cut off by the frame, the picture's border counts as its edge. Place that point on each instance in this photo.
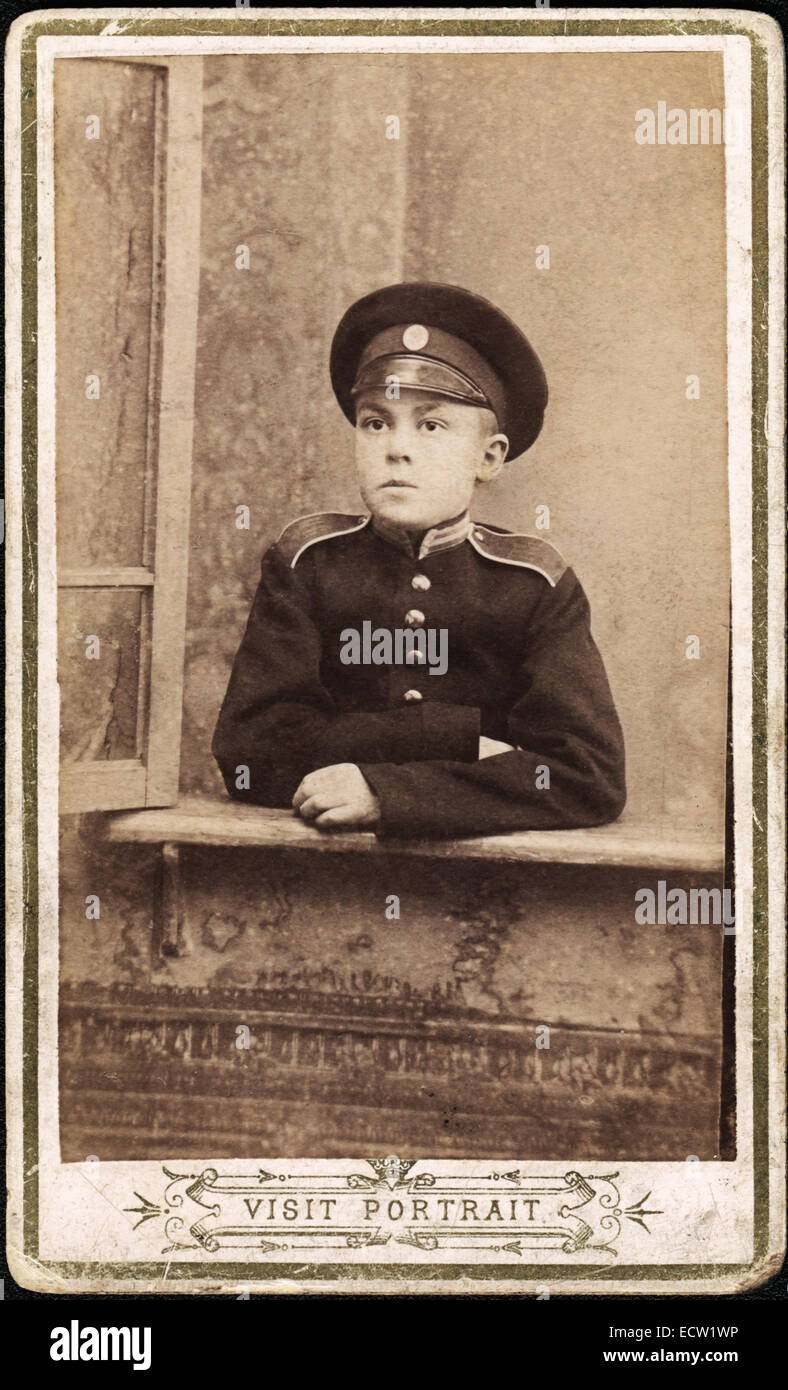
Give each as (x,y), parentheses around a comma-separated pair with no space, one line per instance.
(445,340)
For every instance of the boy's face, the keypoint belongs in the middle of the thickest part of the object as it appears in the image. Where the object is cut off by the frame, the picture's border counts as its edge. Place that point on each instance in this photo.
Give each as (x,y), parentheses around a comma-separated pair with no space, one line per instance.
(419,457)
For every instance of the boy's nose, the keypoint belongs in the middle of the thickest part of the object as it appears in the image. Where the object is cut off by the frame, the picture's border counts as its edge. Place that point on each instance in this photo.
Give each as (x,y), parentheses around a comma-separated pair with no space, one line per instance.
(399,449)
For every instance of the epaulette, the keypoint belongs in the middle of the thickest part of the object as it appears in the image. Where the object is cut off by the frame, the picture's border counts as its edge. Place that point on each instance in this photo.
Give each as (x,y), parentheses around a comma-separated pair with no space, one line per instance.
(320,526)
(529,552)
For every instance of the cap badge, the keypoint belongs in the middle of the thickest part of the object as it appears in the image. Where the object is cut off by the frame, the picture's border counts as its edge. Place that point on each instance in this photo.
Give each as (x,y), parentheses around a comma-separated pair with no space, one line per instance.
(415,337)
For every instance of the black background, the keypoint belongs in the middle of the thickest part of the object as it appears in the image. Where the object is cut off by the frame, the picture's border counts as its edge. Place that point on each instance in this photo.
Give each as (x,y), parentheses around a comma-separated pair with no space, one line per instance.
(360,1336)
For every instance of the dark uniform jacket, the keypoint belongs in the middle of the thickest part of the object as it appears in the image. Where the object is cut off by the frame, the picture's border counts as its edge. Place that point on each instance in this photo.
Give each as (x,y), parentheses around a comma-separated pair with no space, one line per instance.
(522,668)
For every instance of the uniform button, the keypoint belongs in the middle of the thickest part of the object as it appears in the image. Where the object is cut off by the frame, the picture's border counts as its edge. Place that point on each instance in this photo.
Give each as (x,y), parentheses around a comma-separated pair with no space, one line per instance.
(479,535)
(413,695)
(420,581)
(414,618)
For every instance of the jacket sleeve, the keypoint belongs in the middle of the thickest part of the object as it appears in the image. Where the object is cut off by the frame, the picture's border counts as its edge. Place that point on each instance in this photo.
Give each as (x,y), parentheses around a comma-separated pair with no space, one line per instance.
(279,721)
(567,769)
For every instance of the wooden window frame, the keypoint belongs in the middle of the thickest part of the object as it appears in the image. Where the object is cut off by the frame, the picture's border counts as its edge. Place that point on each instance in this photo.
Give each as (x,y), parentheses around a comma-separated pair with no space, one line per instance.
(151,778)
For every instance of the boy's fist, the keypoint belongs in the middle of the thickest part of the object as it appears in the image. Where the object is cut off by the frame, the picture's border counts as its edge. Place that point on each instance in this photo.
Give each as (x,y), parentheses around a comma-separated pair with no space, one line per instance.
(337,796)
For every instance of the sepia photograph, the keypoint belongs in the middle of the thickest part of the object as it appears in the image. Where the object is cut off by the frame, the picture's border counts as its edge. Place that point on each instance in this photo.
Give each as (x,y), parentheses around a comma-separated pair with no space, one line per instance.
(395,645)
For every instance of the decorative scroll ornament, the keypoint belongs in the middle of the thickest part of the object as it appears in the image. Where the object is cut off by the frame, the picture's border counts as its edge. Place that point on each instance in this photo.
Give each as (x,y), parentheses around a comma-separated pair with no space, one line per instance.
(396,1203)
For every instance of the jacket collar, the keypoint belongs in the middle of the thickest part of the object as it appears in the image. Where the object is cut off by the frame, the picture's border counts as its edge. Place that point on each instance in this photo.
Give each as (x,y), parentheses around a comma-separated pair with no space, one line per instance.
(444,536)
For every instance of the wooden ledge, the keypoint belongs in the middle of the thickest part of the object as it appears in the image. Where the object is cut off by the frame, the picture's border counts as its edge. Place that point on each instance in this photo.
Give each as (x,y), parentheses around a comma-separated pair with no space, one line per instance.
(199,820)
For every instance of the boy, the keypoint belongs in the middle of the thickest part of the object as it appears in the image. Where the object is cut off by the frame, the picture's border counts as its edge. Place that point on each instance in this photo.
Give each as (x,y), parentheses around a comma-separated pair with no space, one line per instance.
(328,708)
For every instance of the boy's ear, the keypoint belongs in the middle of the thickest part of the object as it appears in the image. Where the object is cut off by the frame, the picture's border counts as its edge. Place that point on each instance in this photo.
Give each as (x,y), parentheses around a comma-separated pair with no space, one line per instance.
(492,461)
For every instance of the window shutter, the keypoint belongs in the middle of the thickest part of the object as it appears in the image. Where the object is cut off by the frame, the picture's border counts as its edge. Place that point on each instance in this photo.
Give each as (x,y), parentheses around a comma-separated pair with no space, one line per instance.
(127,217)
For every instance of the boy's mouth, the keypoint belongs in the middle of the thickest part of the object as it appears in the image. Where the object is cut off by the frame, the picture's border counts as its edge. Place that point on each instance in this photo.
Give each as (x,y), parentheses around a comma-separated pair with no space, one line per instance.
(393,482)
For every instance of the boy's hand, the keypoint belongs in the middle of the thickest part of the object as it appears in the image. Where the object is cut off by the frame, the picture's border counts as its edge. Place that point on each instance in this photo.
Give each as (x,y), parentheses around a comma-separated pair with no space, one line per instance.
(337,796)
(489,746)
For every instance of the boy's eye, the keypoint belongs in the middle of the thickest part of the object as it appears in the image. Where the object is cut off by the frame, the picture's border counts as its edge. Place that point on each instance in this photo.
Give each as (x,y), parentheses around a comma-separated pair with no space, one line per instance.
(373,423)
(432,425)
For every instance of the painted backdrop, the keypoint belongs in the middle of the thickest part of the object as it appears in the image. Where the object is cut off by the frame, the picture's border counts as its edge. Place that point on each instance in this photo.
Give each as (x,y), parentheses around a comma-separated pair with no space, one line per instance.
(500,164)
